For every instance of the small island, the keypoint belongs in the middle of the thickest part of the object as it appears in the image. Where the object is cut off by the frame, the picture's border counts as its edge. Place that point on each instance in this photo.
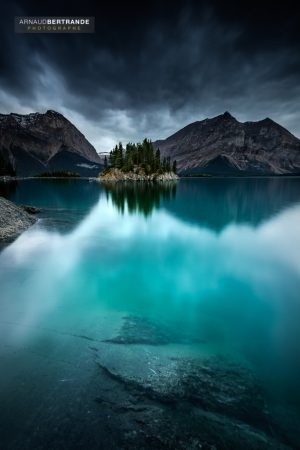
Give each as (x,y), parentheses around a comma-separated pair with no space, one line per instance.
(137,162)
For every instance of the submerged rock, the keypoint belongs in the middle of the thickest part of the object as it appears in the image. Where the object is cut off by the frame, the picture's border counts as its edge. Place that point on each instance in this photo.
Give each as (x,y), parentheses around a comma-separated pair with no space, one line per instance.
(208,384)
(31,209)
(184,403)
(138,330)
(13,220)
(171,397)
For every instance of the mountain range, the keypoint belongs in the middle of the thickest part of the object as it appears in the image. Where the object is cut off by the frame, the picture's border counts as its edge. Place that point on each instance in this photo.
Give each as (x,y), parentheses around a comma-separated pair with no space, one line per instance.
(35,143)
(224,146)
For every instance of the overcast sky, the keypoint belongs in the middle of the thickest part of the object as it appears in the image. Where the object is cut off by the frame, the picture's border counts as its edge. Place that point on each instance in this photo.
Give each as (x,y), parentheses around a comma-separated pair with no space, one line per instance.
(151,69)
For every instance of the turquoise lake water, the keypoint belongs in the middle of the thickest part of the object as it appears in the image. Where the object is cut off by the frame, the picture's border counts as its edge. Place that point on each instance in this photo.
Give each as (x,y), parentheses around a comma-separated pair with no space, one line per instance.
(216,262)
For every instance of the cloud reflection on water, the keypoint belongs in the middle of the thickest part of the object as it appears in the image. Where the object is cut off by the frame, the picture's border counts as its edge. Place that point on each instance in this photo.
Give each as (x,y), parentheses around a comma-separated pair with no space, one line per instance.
(193,270)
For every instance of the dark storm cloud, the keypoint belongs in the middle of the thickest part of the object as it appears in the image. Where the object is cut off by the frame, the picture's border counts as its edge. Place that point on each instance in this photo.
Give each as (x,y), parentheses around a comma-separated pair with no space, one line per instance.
(151,69)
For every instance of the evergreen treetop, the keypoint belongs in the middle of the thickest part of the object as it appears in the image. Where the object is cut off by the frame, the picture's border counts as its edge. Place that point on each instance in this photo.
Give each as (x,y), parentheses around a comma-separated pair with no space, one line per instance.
(141,155)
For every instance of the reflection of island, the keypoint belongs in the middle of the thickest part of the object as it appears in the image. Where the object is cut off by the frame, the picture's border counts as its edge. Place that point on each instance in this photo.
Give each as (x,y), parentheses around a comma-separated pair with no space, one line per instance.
(217,202)
(142,198)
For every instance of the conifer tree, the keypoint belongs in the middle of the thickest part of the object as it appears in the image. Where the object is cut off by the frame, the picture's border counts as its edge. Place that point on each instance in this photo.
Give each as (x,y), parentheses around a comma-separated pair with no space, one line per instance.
(140,155)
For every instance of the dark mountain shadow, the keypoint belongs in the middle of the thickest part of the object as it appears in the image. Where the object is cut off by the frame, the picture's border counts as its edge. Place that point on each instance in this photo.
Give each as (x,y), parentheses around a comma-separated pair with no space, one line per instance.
(140,197)
(8,188)
(218,202)
(64,202)
(64,193)
(66,160)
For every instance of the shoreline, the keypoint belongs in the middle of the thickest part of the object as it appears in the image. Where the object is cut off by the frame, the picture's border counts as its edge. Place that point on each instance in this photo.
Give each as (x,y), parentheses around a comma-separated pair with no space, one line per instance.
(14,219)
(5,179)
(113,175)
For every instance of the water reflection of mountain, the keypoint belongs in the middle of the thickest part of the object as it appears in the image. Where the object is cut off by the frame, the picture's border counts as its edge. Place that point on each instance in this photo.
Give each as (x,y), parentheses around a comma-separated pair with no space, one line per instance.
(213,203)
(64,202)
(217,202)
(55,193)
(140,197)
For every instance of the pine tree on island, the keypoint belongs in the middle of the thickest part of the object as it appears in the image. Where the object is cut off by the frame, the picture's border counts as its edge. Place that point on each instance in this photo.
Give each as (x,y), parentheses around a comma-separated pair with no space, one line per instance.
(105,162)
(139,157)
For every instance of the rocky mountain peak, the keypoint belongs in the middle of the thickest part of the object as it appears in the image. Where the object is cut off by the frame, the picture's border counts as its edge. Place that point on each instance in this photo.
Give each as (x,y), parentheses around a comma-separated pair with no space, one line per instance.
(38,142)
(52,112)
(227,116)
(223,145)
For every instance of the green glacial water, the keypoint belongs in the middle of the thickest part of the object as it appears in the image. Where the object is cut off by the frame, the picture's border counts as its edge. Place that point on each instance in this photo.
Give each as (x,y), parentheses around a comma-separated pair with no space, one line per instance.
(152,316)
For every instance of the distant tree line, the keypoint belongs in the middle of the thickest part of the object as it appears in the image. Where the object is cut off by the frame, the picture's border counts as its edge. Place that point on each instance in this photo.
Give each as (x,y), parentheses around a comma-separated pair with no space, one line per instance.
(141,155)
(58,174)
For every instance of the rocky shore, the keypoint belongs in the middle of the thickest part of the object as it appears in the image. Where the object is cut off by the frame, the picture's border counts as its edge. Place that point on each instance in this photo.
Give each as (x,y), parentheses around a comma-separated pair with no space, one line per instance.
(13,220)
(119,175)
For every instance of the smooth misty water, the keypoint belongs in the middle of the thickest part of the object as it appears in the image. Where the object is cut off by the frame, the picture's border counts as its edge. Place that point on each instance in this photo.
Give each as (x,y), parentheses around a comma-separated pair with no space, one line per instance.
(216,260)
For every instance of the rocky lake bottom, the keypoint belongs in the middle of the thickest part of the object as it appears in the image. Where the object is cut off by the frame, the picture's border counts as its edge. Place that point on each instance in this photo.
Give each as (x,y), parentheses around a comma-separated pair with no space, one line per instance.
(152,318)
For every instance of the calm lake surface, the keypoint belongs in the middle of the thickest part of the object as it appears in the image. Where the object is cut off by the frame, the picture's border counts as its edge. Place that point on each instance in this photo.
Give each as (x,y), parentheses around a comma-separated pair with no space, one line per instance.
(115,300)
